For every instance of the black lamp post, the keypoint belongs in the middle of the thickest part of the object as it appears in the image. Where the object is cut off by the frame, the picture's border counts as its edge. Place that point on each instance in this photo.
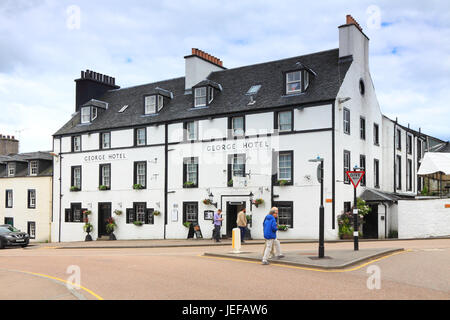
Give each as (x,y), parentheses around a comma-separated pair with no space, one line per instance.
(321,208)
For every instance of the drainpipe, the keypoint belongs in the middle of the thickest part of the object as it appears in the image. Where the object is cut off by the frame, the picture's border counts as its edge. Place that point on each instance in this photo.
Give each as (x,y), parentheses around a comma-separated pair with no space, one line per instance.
(166,152)
(385,220)
(60,186)
(395,147)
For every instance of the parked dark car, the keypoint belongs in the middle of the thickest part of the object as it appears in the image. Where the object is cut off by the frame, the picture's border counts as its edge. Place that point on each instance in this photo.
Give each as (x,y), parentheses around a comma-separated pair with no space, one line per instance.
(10,236)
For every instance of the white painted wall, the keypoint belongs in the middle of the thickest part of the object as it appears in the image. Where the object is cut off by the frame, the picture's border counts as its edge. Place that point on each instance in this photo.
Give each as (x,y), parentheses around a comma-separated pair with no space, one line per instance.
(423,218)
(197,69)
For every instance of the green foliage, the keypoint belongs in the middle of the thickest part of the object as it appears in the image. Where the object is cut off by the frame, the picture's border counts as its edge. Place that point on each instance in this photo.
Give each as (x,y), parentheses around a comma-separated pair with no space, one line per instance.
(363,208)
(138,186)
(393,234)
(283,227)
(138,223)
(74,188)
(187,224)
(189,184)
(206,201)
(156,213)
(110,225)
(424,191)
(102,187)
(88,227)
(282,182)
(230,183)
(118,212)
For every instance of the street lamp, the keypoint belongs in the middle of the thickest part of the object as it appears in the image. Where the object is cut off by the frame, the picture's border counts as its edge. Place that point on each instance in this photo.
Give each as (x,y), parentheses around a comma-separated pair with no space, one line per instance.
(211,199)
(321,208)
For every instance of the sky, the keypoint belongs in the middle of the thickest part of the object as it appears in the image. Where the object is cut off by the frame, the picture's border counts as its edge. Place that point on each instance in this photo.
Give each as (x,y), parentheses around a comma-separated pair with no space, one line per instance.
(44,44)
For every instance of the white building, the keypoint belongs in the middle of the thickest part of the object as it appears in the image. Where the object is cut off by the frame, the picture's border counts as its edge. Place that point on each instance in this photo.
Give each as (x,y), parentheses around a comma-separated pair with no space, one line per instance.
(231,135)
(26,189)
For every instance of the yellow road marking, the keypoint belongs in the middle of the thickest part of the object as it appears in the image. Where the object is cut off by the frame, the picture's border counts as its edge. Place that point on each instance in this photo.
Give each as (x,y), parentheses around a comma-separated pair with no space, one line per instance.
(62,280)
(312,269)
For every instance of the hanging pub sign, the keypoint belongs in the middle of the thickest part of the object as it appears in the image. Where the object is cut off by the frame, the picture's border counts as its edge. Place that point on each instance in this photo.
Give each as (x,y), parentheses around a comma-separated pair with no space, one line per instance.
(355,177)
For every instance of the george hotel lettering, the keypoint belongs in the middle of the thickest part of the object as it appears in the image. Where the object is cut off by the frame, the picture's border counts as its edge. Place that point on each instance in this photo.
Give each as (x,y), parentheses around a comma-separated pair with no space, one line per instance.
(238,146)
(105,157)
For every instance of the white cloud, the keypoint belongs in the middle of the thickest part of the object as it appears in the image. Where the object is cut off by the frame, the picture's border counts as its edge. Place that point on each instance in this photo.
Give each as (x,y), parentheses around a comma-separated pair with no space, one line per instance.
(140,42)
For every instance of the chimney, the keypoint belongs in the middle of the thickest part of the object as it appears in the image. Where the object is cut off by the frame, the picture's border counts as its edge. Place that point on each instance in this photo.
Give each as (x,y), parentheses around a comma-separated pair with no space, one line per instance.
(353,41)
(92,85)
(199,65)
(8,145)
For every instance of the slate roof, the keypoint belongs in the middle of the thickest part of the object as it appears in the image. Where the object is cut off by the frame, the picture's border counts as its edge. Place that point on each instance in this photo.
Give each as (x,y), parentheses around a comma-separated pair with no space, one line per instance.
(234,82)
(25,157)
(373,195)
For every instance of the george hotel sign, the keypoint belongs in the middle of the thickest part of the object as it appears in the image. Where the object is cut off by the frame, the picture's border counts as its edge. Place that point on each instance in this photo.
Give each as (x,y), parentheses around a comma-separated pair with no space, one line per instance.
(237,145)
(105,157)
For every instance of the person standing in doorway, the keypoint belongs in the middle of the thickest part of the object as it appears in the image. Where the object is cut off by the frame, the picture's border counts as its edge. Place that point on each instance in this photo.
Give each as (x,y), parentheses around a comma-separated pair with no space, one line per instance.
(242,223)
(270,234)
(217,224)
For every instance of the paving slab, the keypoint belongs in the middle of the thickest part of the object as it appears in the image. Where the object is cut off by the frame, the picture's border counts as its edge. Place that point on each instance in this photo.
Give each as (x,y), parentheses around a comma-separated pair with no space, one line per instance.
(334,259)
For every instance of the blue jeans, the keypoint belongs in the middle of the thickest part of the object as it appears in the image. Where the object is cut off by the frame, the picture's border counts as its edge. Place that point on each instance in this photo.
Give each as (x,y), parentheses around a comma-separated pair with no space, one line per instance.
(242,233)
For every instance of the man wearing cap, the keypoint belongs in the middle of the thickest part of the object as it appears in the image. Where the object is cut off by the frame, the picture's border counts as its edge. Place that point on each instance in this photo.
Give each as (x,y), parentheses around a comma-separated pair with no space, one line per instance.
(270,234)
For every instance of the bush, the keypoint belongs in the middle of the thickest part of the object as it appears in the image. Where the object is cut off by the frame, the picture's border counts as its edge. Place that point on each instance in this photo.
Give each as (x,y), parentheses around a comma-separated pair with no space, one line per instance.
(88,227)
(110,225)
(393,234)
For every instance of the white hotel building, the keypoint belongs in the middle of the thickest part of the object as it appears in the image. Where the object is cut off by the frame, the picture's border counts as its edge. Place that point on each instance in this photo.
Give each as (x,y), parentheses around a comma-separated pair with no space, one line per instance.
(233,135)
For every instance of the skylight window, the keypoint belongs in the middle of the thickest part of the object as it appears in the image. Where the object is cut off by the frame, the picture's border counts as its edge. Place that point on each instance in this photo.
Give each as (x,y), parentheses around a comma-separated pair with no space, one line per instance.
(123,108)
(254,89)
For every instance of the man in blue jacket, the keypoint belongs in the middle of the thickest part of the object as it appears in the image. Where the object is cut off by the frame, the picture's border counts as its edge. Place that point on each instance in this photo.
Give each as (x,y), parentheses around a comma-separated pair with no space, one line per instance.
(270,234)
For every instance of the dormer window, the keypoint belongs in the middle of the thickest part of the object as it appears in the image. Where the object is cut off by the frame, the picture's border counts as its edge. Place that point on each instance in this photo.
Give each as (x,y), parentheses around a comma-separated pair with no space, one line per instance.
(200,97)
(297,81)
(33,168)
(210,94)
(153,103)
(11,169)
(88,114)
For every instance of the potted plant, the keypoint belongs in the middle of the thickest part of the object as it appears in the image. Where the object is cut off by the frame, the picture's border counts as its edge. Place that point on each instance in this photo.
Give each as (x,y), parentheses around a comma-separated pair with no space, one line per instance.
(258,202)
(103,187)
(230,183)
(138,186)
(88,228)
(187,224)
(188,184)
(118,212)
(156,213)
(138,223)
(283,227)
(110,226)
(74,188)
(282,182)
(207,202)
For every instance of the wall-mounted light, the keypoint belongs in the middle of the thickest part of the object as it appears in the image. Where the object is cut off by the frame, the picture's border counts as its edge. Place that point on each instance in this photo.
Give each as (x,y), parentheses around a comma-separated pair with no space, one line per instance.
(211,200)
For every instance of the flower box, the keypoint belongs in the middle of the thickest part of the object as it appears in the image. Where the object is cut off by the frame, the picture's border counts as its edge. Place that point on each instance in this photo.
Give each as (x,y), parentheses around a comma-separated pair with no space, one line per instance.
(138,186)
(138,223)
(103,187)
(74,189)
(189,184)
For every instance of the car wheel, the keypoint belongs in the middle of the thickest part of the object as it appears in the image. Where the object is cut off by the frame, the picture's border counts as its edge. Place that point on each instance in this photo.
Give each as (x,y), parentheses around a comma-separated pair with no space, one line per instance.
(1,244)
(24,245)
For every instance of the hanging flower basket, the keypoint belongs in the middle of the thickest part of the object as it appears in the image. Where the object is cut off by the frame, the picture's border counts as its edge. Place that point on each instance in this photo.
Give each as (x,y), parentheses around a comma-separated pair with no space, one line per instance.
(156,213)
(207,202)
(258,202)
(118,212)
(87,212)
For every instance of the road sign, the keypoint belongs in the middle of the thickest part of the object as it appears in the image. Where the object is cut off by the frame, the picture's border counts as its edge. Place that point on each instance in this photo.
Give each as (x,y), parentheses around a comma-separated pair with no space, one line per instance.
(355,177)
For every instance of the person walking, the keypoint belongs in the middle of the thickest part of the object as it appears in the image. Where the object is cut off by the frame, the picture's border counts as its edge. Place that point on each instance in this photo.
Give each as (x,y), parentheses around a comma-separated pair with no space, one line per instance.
(217,224)
(242,223)
(270,234)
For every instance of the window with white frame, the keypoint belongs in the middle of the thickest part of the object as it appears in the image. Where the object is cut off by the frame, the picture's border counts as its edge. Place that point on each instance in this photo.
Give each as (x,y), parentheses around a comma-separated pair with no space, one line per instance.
(191,170)
(237,126)
(85,114)
(294,82)
(105,175)
(141,136)
(160,102)
(200,97)
(9,199)
(191,130)
(76,177)
(285,121)
(150,104)
(346,121)
(285,166)
(76,143)
(190,212)
(346,166)
(285,213)
(105,140)
(141,173)
(11,169)
(139,209)
(31,199)
(33,167)
(238,165)
(94,113)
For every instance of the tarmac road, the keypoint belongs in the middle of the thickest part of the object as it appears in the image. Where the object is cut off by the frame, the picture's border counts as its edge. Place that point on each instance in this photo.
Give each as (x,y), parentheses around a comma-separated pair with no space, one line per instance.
(422,272)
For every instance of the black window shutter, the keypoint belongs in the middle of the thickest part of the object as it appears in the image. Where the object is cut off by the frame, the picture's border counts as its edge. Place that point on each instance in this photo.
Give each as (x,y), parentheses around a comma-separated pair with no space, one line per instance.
(230,167)
(28,199)
(184,212)
(243,173)
(67,215)
(196,170)
(135,173)
(184,131)
(184,171)
(149,216)
(275,120)
(145,179)
(274,166)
